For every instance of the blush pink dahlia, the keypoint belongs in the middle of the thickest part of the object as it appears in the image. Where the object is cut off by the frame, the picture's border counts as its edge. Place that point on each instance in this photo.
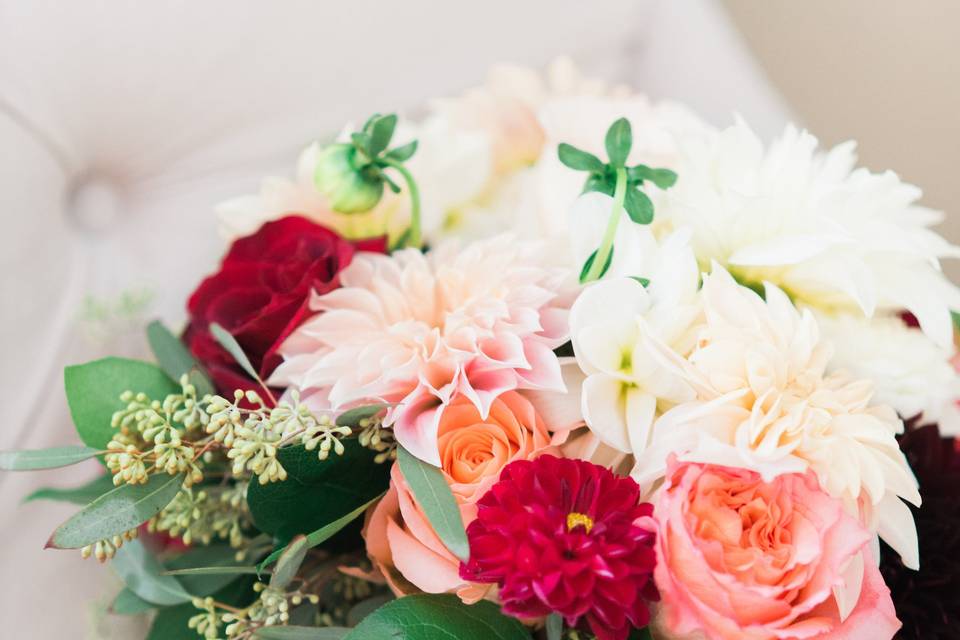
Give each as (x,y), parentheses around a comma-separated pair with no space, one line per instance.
(416,330)
(566,536)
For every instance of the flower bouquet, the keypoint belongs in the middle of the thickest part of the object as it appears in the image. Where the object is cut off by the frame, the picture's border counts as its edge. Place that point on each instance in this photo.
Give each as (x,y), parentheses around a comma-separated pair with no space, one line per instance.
(551,361)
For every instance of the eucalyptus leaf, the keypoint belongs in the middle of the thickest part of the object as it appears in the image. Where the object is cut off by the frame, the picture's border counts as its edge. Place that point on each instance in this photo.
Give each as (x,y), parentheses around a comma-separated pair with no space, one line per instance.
(381,132)
(289,562)
(127,603)
(578,159)
(93,393)
(352,417)
(141,572)
(403,152)
(554,626)
(589,263)
(638,206)
(438,617)
(618,142)
(228,342)
(245,570)
(435,498)
(175,359)
(301,633)
(126,507)
(82,495)
(324,533)
(203,570)
(31,459)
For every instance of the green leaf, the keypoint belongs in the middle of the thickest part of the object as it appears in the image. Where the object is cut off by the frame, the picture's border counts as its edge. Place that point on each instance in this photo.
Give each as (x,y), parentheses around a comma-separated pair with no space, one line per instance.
(77,495)
(663,178)
(601,184)
(361,140)
(618,142)
(126,507)
(638,206)
(578,159)
(175,359)
(352,417)
(364,608)
(141,572)
(289,562)
(381,133)
(228,342)
(93,393)
(438,617)
(302,633)
(322,534)
(640,634)
(30,459)
(554,626)
(316,493)
(245,570)
(643,281)
(589,263)
(403,152)
(127,603)
(430,488)
(205,570)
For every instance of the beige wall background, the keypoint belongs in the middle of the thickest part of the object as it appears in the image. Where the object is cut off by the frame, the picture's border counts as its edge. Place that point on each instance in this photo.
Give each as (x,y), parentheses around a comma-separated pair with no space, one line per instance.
(883,72)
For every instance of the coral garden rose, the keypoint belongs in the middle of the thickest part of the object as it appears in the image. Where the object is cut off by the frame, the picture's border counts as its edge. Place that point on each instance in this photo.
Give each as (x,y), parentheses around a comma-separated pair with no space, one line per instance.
(473,452)
(261,293)
(743,559)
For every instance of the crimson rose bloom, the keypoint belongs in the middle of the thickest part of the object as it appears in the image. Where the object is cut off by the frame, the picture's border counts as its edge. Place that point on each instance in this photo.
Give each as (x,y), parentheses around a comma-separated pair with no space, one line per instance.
(261,294)
(561,535)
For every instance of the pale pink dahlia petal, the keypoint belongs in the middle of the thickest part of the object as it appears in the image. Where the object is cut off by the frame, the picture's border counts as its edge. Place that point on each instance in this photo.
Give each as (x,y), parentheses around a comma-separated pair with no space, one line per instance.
(416,330)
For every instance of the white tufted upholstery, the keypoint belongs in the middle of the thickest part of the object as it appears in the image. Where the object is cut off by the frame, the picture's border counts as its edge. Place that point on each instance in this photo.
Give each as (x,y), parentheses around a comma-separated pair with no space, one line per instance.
(122,124)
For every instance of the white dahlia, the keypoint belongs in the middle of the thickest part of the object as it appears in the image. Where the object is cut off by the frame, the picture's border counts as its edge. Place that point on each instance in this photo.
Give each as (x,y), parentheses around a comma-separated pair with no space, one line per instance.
(766,402)
(831,235)
(910,372)
(416,330)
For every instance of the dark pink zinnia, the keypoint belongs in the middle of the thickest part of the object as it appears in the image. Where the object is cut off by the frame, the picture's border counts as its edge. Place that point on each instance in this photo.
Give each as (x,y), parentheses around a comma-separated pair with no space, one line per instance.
(560,536)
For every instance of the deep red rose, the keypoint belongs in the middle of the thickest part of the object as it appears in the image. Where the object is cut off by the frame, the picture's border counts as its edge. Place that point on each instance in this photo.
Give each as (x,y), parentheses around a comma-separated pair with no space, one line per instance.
(261,294)
(560,535)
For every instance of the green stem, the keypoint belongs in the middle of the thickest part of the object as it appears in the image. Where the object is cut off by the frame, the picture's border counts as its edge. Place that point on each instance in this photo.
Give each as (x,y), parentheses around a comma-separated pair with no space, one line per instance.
(414,239)
(606,245)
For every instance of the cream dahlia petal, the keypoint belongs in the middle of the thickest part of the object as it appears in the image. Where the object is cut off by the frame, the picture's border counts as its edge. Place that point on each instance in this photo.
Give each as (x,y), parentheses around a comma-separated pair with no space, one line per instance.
(831,235)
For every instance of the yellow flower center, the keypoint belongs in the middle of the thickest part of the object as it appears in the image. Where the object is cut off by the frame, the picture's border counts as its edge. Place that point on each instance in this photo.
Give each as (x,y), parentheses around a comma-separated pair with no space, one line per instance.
(575,520)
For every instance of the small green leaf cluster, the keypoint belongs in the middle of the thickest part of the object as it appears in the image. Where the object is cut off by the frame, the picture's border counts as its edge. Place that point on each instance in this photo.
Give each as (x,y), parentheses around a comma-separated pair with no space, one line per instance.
(615,179)
(351,174)
(602,176)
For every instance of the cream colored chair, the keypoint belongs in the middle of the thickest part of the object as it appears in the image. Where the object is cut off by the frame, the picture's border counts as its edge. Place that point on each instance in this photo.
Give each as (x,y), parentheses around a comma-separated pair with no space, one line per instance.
(123,123)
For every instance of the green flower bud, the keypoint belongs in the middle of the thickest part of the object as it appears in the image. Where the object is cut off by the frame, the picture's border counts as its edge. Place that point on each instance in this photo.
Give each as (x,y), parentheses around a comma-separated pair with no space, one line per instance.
(349,189)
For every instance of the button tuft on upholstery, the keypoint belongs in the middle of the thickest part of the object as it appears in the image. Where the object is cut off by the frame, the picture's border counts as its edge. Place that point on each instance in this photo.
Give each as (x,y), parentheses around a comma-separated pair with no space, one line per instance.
(93,203)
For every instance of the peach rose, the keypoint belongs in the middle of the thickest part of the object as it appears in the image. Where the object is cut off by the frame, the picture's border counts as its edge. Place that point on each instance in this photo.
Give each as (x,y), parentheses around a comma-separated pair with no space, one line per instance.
(743,559)
(473,451)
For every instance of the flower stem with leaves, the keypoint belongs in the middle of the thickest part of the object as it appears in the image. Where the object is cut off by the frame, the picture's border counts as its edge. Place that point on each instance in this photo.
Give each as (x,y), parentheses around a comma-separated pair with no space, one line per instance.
(624,184)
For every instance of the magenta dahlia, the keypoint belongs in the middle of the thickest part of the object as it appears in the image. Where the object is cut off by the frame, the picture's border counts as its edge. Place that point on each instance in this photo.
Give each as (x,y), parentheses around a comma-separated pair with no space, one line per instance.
(562,536)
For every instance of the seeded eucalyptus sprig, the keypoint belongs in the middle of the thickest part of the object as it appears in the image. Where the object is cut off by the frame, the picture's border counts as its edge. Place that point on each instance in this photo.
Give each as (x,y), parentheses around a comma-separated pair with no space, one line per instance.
(623,183)
(352,174)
